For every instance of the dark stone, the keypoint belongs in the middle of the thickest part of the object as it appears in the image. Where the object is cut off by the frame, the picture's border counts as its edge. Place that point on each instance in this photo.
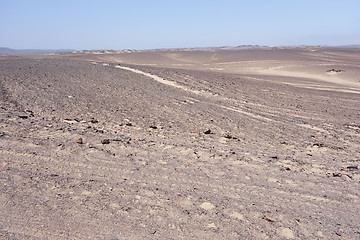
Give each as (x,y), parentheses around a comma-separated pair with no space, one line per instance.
(318,144)
(352,167)
(273,156)
(153,127)
(228,136)
(22,116)
(208,131)
(105,141)
(93,120)
(78,119)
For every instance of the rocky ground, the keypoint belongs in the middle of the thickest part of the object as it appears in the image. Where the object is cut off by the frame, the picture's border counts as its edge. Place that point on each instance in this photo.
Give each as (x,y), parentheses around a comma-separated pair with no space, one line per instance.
(161,145)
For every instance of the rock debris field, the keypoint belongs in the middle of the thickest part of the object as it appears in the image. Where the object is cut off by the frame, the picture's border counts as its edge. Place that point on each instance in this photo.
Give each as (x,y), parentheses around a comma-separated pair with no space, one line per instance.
(181,144)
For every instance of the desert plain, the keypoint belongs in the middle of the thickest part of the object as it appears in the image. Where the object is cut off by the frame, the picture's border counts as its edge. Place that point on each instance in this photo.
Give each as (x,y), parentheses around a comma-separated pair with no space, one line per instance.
(259,143)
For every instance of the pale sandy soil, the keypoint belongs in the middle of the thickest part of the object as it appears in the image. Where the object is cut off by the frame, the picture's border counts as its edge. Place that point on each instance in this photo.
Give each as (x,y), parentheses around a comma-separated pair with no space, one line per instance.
(281,159)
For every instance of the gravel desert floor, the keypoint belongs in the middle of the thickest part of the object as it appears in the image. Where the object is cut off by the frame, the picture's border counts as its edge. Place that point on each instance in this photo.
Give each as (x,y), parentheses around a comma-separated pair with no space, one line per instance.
(181,144)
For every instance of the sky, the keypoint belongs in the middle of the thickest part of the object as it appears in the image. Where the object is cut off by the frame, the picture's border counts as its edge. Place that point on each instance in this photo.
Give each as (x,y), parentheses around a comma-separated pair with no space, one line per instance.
(151,24)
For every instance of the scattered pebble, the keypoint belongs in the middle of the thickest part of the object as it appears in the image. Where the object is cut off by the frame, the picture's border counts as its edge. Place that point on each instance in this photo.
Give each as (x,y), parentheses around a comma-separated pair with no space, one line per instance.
(286,233)
(78,119)
(335,70)
(273,156)
(212,226)
(23,116)
(93,120)
(237,215)
(105,141)
(207,206)
(338,233)
(228,136)
(352,167)
(153,127)
(269,219)
(79,141)
(319,234)
(319,144)
(208,131)
(99,130)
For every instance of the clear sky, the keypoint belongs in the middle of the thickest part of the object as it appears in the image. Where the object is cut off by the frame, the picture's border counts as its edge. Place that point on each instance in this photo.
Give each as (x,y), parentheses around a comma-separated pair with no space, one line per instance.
(147,24)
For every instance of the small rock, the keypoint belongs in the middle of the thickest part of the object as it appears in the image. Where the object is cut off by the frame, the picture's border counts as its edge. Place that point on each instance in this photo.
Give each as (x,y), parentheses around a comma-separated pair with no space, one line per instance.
(31,113)
(286,233)
(212,226)
(228,136)
(237,215)
(128,138)
(319,144)
(352,167)
(23,116)
(207,206)
(268,219)
(99,130)
(153,127)
(78,119)
(79,141)
(105,141)
(273,156)
(333,70)
(129,124)
(2,134)
(93,120)
(319,234)
(208,131)
(336,174)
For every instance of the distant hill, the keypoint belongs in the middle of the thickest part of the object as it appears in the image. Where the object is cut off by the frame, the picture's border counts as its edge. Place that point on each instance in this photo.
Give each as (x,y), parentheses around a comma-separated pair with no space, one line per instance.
(350,46)
(5,50)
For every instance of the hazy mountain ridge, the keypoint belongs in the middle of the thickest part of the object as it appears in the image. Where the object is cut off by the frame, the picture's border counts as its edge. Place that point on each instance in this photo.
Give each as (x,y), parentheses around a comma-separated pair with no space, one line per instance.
(5,50)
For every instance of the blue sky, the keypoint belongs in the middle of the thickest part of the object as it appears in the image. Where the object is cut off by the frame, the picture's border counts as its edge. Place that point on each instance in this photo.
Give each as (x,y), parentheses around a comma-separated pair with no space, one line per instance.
(147,24)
